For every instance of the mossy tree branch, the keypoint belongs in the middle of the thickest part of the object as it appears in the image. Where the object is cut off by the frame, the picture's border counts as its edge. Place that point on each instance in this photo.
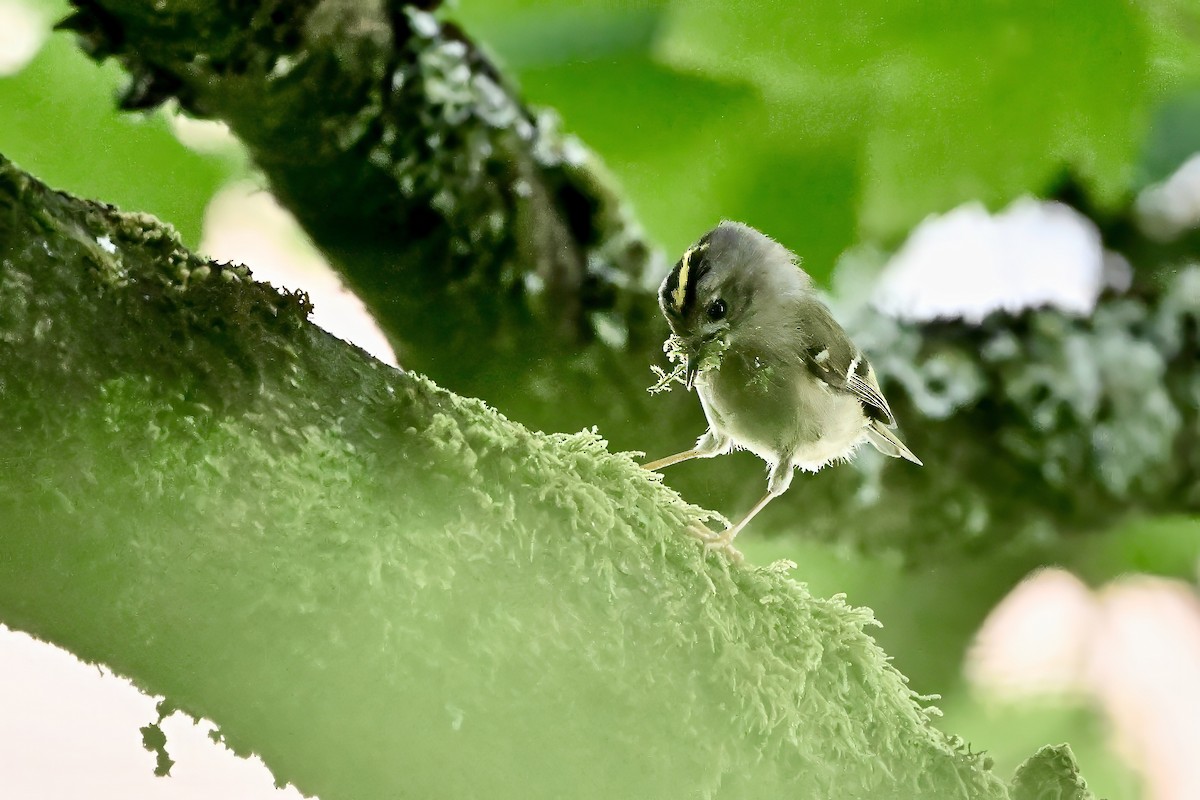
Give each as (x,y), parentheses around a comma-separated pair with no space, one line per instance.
(380,587)
(497,258)
(482,239)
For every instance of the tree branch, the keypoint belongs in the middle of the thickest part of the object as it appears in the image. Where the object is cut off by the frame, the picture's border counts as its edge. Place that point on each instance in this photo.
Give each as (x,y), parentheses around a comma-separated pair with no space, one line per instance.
(380,587)
(480,237)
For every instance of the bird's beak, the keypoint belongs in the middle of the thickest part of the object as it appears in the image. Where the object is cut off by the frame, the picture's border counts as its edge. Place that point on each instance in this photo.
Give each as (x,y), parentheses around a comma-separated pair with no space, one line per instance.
(691,366)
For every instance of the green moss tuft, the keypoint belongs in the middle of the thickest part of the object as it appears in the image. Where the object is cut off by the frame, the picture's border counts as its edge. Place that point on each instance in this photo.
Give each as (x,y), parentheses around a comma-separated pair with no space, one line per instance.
(1050,774)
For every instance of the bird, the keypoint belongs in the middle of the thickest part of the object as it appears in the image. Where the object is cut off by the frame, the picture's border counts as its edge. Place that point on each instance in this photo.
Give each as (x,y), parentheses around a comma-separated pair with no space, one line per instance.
(774,371)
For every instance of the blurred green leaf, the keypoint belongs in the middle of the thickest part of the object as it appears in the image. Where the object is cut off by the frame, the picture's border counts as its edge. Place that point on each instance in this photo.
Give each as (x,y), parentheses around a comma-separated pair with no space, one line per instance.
(530,33)
(803,197)
(690,152)
(1173,138)
(823,123)
(953,102)
(58,119)
(1174,130)
(671,143)
(688,149)
(1167,546)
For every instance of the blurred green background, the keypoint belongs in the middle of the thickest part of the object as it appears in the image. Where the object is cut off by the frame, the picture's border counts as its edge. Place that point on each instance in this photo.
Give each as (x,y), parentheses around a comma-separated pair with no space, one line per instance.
(826,125)
(58,120)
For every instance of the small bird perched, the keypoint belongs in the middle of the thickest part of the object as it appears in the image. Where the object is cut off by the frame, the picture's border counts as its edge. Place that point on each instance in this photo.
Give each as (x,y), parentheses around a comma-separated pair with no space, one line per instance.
(775,372)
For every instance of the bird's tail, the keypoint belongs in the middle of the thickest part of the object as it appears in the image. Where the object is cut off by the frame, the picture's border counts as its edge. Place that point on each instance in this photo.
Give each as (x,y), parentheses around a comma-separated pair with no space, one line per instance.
(888,443)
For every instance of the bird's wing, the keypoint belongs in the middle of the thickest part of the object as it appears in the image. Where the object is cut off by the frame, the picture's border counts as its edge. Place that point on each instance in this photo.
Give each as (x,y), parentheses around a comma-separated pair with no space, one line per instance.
(835,361)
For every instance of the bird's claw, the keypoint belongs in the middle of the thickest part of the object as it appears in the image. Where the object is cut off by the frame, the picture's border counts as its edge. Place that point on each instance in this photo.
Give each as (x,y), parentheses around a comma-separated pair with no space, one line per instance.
(724,544)
(716,542)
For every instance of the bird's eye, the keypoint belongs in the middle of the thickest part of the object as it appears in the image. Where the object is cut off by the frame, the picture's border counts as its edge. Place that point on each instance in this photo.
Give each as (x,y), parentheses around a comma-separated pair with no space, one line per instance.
(716,309)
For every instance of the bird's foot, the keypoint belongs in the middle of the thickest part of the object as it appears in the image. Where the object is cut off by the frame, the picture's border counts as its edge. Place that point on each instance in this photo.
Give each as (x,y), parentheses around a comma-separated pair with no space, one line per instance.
(717,542)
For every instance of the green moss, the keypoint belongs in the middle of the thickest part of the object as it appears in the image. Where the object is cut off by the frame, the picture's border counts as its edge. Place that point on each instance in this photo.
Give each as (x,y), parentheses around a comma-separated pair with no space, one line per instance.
(1050,774)
(536,588)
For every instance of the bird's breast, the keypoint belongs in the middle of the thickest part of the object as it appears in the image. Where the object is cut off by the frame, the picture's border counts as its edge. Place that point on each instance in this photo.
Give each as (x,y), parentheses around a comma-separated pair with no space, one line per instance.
(779,412)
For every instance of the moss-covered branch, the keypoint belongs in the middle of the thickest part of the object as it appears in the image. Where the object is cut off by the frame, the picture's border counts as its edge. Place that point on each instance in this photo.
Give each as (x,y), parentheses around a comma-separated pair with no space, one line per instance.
(497,258)
(1038,427)
(482,239)
(380,587)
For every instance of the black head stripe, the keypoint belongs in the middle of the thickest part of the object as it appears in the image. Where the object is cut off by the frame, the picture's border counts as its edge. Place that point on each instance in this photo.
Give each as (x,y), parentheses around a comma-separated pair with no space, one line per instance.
(667,292)
(679,291)
(698,272)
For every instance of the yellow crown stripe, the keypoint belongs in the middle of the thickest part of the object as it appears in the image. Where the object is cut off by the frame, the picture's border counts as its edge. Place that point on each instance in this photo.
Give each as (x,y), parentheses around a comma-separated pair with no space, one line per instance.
(685,269)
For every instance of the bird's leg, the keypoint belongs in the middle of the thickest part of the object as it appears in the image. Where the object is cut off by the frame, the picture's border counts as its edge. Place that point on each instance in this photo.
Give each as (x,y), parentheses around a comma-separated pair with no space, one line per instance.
(669,460)
(709,445)
(780,480)
(724,540)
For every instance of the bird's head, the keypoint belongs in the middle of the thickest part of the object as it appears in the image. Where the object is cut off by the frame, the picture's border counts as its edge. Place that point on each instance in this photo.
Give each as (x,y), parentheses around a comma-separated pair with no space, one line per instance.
(723,288)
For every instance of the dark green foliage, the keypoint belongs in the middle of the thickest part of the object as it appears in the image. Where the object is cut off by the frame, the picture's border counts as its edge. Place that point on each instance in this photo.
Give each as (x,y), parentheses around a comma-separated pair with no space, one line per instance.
(58,119)
(825,122)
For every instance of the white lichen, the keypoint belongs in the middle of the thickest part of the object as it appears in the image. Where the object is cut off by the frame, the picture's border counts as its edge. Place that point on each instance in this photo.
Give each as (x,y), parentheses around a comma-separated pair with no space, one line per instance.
(1168,209)
(967,264)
